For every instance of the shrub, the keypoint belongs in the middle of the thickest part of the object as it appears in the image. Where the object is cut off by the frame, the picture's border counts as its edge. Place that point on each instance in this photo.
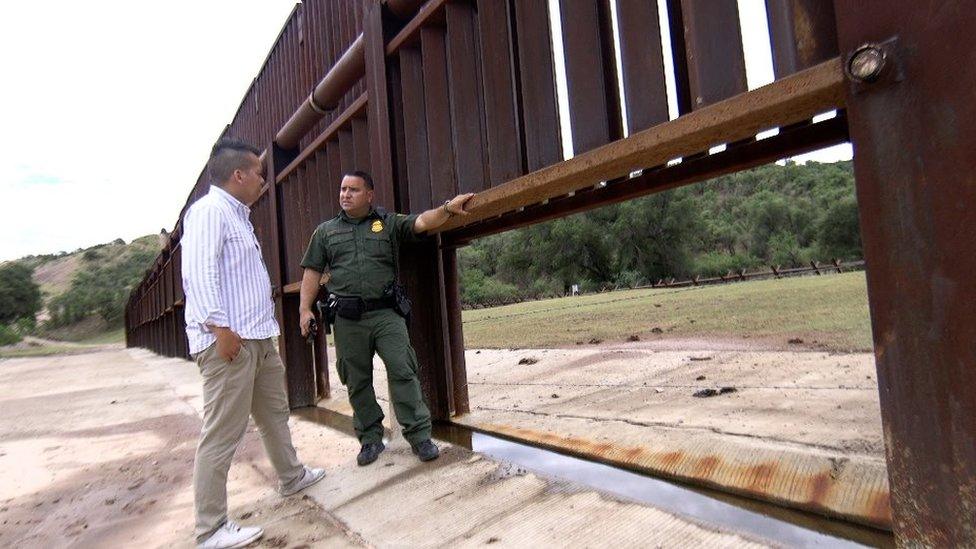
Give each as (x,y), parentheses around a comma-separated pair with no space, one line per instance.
(477,289)
(8,336)
(20,296)
(719,263)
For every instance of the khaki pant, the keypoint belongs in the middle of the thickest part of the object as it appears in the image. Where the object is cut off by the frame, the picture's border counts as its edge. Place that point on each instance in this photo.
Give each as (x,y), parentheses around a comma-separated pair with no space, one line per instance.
(252,384)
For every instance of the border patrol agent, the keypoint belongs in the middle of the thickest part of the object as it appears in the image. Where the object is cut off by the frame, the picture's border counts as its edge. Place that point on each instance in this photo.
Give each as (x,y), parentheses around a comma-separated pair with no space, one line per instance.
(358,247)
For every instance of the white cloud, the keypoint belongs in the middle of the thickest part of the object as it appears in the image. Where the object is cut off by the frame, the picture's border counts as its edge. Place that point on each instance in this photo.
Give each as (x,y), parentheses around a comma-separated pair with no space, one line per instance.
(109,110)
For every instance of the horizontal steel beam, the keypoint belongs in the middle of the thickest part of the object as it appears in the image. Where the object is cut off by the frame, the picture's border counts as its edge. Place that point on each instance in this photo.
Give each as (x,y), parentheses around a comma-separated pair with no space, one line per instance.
(789,100)
(792,141)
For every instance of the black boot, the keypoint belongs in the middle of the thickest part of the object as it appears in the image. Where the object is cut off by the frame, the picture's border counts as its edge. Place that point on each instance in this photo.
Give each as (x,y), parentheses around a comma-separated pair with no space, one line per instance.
(425,450)
(369,452)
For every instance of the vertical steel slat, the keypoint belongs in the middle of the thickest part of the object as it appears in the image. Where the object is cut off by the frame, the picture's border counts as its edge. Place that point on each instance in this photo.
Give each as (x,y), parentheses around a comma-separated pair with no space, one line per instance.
(415,126)
(713,50)
(466,102)
(642,64)
(537,81)
(440,149)
(334,152)
(360,144)
(459,376)
(676,30)
(323,187)
(347,152)
(286,217)
(398,154)
(585,69)
(313,188)
(378,152)
(802,33)
(504,140)
(301,223)
(422,278)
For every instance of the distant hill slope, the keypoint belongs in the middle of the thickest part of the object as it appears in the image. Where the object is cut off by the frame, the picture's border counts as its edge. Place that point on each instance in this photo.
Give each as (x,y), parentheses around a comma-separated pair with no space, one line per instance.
(56,273)
(54,277)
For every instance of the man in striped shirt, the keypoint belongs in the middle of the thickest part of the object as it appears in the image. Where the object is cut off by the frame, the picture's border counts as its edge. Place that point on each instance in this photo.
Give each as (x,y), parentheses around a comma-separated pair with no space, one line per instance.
(231,328)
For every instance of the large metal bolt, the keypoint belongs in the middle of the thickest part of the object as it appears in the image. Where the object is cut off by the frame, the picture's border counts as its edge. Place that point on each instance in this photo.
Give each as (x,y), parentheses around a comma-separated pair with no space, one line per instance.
(866,63)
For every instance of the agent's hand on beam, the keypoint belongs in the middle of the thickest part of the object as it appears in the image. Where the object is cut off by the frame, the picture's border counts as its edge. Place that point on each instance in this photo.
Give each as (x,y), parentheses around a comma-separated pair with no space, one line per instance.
(456,205)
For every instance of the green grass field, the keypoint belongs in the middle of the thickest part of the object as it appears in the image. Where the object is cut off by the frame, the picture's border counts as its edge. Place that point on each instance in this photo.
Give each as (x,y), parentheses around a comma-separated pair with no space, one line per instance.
(51,348)
(43,350)
(828,312)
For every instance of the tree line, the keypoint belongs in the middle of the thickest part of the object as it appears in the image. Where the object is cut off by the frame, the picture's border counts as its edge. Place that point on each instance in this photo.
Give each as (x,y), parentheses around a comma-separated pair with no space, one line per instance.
(776,214)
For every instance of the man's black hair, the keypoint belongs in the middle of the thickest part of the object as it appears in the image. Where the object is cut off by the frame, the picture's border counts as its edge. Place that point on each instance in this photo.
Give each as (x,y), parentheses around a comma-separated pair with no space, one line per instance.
(229,155)
(364,176)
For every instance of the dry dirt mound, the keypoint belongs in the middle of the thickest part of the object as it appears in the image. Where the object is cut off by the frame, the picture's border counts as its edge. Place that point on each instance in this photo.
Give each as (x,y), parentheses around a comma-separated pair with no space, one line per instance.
(54,277)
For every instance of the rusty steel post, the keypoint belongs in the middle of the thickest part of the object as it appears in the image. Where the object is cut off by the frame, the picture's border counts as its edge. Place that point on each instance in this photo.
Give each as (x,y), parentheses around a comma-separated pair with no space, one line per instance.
(913,126)
(295,353)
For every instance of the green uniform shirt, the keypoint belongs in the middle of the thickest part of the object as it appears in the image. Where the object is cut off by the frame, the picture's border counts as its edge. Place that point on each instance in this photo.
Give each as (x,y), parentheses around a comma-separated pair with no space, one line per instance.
(358,252)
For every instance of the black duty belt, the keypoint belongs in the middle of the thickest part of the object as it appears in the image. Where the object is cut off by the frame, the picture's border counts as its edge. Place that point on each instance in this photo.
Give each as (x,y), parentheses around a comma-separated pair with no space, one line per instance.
(377,304)
(371,304)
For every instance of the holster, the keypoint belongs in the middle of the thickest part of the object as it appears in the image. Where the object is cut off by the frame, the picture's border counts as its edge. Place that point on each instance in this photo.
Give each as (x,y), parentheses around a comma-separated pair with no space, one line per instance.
(398,296)
(327,311)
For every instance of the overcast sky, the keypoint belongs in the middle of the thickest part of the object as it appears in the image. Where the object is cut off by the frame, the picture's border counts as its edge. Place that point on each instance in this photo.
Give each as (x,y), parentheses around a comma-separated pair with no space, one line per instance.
(109,108)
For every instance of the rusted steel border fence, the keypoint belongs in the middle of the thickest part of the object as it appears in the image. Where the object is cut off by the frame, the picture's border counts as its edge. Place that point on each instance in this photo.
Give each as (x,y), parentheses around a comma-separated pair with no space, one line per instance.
(460,95)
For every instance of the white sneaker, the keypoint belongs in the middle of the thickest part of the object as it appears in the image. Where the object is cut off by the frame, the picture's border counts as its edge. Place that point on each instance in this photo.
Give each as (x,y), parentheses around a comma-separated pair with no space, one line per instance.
(309,477)
(232,535)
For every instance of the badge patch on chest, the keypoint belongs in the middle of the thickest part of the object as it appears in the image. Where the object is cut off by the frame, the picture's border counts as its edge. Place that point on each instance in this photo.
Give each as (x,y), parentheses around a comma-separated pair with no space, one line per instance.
(377,226)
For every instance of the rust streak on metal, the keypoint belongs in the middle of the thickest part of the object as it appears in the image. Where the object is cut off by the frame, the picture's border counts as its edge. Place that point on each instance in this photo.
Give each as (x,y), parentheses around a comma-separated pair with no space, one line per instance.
(850,497)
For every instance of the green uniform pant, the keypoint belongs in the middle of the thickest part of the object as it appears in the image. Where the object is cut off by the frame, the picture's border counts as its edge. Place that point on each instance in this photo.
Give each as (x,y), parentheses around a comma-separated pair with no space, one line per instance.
(382,332)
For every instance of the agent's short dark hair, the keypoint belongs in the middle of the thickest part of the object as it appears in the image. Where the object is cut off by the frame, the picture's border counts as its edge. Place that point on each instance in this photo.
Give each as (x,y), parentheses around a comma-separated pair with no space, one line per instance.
(362,175)
(229,155)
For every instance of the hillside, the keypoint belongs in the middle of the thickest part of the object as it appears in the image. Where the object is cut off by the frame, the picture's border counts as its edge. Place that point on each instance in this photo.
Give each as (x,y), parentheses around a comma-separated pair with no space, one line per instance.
(54,277)
(69,283)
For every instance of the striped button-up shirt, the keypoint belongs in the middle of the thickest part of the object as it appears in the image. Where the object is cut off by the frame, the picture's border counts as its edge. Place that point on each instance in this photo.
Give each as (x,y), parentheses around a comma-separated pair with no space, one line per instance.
(224,277)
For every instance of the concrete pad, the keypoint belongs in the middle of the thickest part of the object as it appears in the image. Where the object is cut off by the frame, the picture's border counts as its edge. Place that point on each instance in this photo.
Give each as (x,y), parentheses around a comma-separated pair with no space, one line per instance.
(801,429)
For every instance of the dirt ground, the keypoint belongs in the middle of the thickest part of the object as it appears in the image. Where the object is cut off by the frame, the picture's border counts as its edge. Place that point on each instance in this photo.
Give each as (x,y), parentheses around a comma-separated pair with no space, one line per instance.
(97,450)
